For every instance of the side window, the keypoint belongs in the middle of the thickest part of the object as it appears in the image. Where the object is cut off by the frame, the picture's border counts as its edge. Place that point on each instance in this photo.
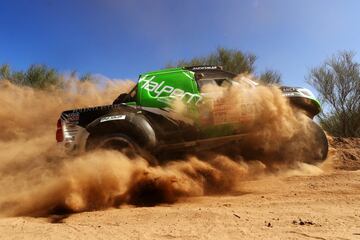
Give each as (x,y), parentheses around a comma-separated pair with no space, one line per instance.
(221,82)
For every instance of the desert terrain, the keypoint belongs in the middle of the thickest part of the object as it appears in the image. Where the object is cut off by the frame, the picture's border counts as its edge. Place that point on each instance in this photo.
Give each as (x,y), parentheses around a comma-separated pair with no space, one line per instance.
(310,203)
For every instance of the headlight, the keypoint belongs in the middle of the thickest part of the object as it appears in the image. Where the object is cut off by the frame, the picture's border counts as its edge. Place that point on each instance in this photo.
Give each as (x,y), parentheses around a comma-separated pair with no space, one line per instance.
(306,92)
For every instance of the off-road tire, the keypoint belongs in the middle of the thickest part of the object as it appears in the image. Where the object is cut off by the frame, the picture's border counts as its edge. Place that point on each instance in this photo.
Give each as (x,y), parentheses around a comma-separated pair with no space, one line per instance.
(122,143)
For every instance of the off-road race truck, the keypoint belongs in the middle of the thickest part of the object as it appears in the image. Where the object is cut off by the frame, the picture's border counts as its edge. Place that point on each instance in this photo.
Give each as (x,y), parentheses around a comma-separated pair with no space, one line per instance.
(141,121)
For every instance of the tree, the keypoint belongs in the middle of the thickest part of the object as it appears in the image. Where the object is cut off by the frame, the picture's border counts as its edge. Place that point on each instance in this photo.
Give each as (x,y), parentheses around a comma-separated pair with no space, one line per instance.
(270,77)
(337,81)
(232,60)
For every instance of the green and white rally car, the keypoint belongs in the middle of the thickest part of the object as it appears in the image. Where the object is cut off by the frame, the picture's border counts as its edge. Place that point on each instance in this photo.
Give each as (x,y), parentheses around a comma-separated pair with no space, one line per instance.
(141,121)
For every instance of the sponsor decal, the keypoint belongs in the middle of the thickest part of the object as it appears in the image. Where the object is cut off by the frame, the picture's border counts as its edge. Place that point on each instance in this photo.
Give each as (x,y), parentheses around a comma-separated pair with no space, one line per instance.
(206,68)
(112,118)
(288,89)
(159,89)
(291,94)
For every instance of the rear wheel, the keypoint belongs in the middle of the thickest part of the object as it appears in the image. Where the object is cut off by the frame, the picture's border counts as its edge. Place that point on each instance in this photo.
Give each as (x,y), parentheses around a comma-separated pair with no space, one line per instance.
(122,143)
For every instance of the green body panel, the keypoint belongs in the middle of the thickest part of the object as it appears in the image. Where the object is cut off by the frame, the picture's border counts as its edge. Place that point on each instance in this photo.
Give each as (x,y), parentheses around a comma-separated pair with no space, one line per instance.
(158,89)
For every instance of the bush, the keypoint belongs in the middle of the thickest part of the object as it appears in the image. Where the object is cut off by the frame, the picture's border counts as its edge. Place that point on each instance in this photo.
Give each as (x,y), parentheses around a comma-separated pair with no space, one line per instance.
(36,76)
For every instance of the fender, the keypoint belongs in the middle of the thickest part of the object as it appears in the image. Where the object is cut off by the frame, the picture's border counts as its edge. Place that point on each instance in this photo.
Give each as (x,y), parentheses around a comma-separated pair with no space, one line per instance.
(130,123)
(310,106)
(303,99)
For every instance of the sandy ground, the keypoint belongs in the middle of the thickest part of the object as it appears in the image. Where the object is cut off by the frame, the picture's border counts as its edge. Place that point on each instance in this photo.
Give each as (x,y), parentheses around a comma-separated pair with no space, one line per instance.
(326,206)
(290,206)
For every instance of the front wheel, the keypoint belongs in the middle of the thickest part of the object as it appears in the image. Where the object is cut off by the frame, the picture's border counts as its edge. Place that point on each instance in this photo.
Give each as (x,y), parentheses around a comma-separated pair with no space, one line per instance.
(309,145)
(318,144)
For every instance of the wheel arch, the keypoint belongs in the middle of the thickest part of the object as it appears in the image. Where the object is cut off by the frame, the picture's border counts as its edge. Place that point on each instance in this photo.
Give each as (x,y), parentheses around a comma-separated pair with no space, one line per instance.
(131,124)
(310,107)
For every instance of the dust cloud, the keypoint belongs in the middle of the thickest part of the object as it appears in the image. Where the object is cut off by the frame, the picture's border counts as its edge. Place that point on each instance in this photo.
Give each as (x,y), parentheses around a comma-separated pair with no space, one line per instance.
(37,179)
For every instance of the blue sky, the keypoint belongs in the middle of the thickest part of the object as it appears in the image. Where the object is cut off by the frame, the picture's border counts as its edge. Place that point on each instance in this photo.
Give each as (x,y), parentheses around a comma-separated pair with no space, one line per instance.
(121,39)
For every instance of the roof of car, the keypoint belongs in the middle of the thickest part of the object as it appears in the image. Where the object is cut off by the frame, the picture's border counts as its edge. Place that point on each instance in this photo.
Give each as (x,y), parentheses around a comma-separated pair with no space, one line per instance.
(208,70)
